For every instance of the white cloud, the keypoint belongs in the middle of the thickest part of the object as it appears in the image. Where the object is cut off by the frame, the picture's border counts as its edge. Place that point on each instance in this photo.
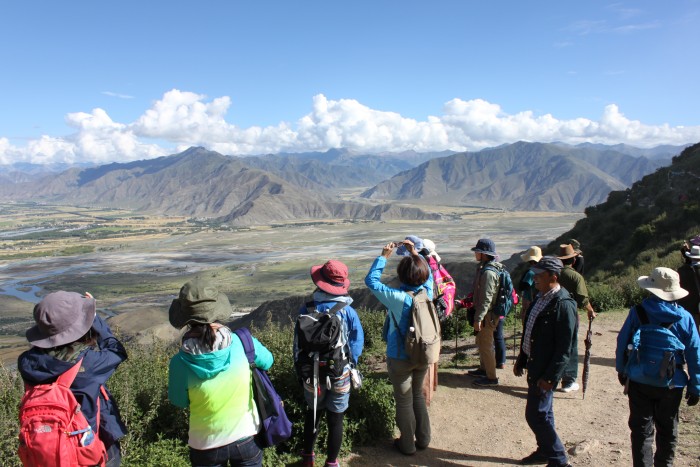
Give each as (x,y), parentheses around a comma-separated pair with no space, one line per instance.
(181,119)
(116,94)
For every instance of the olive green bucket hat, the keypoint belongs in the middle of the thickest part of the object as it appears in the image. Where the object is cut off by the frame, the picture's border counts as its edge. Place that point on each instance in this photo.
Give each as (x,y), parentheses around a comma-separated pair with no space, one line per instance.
(199,302)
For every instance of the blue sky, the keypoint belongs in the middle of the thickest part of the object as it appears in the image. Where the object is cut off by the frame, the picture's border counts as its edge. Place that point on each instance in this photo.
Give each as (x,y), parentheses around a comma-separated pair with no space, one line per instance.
(87,81)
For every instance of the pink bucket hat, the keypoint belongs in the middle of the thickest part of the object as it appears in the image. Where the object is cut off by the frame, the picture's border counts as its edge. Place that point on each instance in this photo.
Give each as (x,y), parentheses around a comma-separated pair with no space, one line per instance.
(331,277)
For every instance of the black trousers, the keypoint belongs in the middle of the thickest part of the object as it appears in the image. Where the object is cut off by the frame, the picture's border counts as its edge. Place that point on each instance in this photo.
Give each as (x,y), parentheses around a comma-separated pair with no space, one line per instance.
(650,408)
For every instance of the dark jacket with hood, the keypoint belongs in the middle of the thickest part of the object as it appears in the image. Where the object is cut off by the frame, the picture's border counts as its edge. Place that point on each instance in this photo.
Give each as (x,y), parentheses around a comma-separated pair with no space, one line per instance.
(550,340)
(38,366)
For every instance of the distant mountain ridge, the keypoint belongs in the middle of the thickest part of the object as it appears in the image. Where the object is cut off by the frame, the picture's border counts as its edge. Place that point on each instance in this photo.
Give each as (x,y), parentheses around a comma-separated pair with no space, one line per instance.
(520,176)
(199,183)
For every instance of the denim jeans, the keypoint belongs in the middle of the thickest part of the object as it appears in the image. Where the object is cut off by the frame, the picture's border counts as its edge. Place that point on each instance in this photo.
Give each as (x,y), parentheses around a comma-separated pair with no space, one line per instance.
(411,411)
(653,407)
(500,343)
(540,418)
(244,452)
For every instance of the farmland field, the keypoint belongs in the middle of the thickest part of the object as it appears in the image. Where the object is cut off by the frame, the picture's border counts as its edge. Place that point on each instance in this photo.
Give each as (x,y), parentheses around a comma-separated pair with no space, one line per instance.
(135,264)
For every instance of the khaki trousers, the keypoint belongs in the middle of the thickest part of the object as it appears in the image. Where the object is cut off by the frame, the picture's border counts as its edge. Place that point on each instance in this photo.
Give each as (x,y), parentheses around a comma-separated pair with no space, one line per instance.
(484,341)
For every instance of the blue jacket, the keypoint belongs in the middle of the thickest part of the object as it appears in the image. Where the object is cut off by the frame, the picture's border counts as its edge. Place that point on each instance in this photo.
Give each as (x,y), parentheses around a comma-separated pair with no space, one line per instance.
(351,322)
(398,304)
(662,312)
(39,367)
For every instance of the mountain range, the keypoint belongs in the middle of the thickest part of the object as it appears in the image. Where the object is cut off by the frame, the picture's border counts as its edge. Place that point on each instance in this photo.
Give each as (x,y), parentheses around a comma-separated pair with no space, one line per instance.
(520,176)
(285,187)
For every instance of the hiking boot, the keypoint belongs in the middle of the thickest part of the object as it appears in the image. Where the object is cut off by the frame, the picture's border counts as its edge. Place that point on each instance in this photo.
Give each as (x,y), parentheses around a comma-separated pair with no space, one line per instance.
(535,458)
(484,381)
(477,372)
(307,460)
(569,387)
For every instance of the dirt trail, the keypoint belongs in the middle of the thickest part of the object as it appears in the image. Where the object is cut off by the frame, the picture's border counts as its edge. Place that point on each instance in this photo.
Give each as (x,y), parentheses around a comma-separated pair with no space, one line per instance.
(474,426)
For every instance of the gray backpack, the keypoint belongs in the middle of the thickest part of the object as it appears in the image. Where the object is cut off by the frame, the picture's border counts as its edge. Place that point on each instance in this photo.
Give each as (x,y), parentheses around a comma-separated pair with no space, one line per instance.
(422,342)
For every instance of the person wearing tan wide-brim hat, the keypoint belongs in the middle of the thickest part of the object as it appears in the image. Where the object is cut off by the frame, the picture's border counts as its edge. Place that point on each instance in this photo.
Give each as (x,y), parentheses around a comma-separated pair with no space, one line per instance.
(526,284)
(210,375)
(575,284)
(654,404)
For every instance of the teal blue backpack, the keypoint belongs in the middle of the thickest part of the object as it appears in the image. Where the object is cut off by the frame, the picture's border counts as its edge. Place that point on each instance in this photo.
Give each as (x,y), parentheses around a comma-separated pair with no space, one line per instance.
(651,355)
(506,296)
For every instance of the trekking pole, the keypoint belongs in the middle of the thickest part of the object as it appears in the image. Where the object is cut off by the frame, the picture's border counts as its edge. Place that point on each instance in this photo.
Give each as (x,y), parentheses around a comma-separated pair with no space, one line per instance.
(456,335)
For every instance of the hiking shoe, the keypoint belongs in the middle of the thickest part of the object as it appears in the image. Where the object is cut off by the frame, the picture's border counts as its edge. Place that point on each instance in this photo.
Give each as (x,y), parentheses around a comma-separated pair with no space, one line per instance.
(500,366)
(331,464)
(486,381)
(396,445)
(535,458)
(569,387)
(477,372)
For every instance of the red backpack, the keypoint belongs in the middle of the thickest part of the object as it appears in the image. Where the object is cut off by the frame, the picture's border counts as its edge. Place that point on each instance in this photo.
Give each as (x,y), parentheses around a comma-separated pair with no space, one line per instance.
(53,429)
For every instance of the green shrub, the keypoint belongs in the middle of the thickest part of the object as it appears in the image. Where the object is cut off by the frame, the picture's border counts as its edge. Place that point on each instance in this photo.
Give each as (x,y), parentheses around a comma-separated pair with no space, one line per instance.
(11,390)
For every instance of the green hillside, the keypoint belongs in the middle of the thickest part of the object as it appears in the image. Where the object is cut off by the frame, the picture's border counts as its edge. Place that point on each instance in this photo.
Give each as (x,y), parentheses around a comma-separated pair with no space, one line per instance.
(638,229)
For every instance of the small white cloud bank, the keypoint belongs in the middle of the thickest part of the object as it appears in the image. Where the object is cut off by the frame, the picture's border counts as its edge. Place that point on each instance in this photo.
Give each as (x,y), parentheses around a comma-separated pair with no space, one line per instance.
(181,119)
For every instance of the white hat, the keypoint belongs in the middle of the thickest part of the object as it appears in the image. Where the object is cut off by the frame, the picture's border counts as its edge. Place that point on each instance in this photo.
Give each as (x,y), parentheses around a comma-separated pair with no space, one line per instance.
(430,246)
(664,283)
(694,252)
(534,253)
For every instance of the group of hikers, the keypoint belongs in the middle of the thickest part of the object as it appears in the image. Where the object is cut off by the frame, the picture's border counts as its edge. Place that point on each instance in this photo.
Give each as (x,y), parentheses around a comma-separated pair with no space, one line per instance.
(72,346)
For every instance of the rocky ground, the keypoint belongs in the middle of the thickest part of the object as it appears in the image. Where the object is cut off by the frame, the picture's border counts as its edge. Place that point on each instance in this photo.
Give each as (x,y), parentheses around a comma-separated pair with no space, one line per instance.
(474,426)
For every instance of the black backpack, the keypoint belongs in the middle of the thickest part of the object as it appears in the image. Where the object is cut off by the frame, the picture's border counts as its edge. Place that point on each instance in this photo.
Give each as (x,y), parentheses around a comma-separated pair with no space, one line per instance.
(320,336)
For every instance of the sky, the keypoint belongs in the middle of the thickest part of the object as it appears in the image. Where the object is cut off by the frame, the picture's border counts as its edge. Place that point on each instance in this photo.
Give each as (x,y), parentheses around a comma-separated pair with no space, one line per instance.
(97,82)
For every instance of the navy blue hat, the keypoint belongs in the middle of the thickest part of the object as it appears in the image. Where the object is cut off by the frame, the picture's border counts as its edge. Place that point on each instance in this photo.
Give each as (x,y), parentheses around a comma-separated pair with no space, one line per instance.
(417,244)
(485,246)
(548,263)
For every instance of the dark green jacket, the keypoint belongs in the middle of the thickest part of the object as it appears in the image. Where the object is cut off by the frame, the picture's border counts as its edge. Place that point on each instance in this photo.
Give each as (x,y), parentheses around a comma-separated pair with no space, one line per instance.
(550,340)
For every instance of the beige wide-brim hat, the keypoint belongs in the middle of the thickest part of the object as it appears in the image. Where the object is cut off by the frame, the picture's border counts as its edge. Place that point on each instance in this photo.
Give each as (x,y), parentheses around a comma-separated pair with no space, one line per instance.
(534,253)
(664,283)
(61,318)
(199,302)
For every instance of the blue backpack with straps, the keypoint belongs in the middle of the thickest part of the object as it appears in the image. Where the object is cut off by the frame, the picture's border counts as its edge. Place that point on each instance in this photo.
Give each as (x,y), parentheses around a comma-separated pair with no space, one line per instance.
(505,298)
(651,354)
(275,427)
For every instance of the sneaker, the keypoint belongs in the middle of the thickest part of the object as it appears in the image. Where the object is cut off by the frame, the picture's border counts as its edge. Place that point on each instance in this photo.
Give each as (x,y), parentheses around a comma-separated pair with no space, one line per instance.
(477,372)
(331,464)
(534,458)
(569,387)
(484,381)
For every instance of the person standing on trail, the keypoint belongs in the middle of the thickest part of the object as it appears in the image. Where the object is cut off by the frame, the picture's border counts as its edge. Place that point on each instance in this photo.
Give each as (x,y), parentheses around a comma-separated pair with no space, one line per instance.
(406,377)
(689,274)
(544,352)
(575,284)
(487,325)
(656,406)
(526,285)
(333,394)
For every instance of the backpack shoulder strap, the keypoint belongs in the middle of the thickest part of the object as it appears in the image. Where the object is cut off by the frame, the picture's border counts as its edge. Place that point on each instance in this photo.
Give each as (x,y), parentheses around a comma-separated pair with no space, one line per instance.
(68,376)
(337,307)
(248,346)
(310,306)
(644,318)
